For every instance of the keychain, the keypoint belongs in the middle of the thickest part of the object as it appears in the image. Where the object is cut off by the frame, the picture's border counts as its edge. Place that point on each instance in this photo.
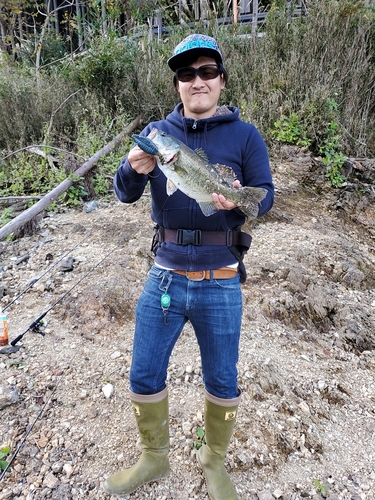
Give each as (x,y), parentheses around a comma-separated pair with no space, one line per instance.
(165,300)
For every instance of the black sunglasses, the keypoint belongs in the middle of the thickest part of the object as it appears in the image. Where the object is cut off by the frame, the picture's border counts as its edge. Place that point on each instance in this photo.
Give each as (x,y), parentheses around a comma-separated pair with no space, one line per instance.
(207,72)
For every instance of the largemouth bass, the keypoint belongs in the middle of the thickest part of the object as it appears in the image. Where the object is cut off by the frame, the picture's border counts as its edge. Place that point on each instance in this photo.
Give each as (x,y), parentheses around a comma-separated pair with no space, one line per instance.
(190,172)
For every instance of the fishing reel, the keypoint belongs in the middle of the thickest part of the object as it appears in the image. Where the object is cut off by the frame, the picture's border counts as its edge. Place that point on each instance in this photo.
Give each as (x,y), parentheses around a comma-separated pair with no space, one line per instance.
(36,327)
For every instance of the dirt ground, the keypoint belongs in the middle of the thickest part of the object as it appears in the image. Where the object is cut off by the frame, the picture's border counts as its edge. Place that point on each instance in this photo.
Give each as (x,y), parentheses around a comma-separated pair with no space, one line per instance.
(306,423)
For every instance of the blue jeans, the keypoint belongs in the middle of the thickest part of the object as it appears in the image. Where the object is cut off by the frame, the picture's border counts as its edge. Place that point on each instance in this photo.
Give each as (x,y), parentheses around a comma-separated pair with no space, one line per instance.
(214,308)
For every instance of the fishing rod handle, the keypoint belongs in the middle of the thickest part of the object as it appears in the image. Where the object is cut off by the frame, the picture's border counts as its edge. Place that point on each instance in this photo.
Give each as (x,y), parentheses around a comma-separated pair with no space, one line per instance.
(17,339)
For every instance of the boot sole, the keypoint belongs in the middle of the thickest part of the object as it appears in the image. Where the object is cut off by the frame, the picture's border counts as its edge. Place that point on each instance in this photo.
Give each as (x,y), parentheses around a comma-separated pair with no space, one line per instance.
(127,492)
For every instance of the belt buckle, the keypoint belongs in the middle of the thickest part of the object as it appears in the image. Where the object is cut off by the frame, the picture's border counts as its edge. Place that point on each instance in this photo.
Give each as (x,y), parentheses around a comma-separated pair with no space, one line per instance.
(195,279)
(189,237)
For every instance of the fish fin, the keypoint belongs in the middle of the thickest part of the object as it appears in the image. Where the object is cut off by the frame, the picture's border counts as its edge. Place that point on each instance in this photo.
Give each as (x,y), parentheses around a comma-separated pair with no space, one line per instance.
(254,193)
(202,155)
(208,208)
(251,199)
(171,188)
(226,173)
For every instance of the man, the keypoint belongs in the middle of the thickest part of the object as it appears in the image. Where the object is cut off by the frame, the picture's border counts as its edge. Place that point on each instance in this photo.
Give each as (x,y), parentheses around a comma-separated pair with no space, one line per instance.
(196,273)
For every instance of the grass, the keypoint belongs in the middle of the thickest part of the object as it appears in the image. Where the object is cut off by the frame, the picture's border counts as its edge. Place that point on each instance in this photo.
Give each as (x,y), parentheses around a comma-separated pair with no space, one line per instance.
(309,82)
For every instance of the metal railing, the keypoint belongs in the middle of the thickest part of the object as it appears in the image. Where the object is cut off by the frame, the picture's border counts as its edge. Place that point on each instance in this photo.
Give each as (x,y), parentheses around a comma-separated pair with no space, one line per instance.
(248,13)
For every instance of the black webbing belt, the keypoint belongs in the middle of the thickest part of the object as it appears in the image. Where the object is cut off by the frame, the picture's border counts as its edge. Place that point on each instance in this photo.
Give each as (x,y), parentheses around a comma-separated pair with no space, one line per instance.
(198,237)
(237,241)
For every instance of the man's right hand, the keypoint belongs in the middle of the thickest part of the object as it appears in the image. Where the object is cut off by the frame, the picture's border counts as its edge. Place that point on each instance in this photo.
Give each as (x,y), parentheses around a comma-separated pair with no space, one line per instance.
(140,161)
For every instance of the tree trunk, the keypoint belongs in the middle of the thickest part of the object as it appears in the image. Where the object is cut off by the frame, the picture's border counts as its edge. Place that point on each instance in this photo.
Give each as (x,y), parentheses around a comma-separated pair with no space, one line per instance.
(254,22)
(65,185)
(104,18)
(2,30)
(41,40)
(56,23)
(79,25)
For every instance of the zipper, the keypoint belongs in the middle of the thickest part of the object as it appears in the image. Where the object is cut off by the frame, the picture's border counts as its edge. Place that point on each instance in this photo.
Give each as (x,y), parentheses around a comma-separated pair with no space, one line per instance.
(194,124)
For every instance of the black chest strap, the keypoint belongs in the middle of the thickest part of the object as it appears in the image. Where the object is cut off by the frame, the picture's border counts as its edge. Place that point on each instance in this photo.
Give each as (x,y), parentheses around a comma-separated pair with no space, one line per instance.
(197,237)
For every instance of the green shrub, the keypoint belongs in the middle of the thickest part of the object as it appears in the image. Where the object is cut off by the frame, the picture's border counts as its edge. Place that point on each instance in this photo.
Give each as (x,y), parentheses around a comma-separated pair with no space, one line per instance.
(289,130)
(308,81)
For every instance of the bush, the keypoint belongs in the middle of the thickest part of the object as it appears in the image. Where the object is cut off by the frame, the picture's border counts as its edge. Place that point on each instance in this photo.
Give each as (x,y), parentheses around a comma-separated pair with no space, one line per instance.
(309,81)
(325,56)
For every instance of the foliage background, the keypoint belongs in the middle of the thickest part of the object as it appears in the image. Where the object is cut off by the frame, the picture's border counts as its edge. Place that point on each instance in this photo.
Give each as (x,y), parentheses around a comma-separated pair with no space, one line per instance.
(308,81)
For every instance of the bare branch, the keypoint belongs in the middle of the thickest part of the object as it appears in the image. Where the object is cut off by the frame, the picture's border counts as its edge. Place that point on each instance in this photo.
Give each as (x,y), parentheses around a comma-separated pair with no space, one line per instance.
(54,114)
(41,146)
(49,198)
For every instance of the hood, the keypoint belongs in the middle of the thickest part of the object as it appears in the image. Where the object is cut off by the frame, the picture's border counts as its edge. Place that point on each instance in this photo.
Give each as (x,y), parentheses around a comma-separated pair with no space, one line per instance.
(190,124)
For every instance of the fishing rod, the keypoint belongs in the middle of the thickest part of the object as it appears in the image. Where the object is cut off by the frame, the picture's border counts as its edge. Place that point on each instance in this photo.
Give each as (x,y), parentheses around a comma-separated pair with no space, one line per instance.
(32,282)
(35,325)
(31,427)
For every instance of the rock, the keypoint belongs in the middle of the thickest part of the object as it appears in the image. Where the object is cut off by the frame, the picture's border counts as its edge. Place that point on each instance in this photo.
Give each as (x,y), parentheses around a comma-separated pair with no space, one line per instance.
(68,470)
(23,258)
(62,492)
(306,364)
(57,467)
(50,481)
(6,494)
(66,265)
(186,428)
(10,349)
(90,206)
(108,390)
(8,395)
(265,495)
(304,407)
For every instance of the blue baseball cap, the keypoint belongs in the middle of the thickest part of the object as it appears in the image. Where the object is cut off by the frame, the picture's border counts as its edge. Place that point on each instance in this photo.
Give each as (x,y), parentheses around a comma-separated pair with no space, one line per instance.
(193,47)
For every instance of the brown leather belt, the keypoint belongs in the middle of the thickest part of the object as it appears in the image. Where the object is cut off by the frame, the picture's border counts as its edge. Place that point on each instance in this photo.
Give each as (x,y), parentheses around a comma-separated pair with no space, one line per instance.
(218,274)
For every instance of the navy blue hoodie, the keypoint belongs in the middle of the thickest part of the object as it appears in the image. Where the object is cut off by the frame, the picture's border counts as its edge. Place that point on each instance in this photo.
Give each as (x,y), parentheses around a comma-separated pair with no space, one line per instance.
(226,140)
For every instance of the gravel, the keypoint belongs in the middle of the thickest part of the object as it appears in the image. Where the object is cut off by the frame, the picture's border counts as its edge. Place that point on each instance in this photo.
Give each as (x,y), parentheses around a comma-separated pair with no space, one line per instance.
(305,428)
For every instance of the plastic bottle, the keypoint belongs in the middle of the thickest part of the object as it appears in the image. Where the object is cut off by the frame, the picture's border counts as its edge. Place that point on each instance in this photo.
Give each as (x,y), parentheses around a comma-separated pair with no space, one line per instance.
(4,340)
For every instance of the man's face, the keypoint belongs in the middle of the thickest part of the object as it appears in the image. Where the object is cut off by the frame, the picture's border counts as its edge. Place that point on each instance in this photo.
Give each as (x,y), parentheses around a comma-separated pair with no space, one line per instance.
(200,97)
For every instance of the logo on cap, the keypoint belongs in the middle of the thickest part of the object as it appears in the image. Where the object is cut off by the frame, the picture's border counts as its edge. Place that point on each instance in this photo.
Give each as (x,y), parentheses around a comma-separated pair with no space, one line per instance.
(196,44)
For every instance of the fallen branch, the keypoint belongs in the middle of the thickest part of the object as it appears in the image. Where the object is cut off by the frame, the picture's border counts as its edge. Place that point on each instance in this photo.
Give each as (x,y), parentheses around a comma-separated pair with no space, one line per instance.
(51,160)
(9,200)
(65,185)
(27,148)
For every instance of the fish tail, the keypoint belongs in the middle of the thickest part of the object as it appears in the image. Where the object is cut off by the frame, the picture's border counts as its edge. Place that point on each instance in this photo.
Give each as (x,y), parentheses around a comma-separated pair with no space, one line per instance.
(251,198)
(254,193)
(145,144)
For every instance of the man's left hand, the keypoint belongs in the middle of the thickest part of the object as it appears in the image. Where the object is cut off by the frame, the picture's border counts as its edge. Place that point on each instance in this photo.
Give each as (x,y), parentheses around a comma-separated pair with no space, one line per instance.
(221,202)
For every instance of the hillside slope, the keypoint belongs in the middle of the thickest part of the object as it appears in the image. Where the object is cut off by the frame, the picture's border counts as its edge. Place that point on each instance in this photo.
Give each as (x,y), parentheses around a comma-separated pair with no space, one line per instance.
(307,363)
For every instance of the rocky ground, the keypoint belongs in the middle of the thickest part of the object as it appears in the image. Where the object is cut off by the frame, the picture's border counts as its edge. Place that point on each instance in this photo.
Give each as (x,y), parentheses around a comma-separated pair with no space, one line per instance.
(307,366)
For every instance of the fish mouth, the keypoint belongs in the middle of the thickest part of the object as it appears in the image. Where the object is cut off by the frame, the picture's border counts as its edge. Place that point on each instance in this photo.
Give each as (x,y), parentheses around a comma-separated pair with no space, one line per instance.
(171,159)
(168,157)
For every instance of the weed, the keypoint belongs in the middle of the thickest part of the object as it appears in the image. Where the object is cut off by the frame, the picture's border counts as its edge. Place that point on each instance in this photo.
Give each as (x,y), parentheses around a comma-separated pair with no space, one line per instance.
(73,196)
(332,157)
(289,130)
(25,174)
(4,452)
(321,488)
(5,216)
(318,68)
(200,441)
